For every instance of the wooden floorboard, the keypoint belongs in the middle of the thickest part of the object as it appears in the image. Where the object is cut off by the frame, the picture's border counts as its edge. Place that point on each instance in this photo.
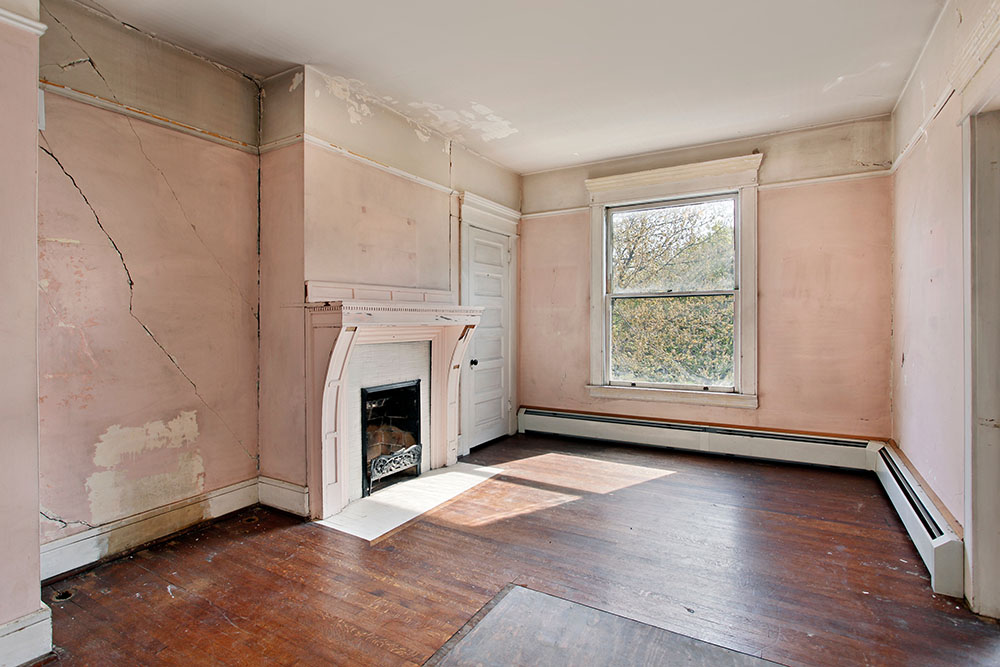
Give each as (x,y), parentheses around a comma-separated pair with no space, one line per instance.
(799,565)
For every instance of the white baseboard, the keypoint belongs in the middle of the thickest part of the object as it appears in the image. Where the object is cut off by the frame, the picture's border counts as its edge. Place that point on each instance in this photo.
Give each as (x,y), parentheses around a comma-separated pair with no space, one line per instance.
(838,452)
(26,638)
(284,495)
(75,551)
(941,549)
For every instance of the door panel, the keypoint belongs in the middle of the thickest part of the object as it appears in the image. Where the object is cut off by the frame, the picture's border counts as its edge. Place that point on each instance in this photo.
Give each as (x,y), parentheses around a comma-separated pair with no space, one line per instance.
(485,380)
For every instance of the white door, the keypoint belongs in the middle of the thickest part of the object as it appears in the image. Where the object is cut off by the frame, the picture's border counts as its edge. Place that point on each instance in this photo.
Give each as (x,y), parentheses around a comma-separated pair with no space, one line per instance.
(486,373)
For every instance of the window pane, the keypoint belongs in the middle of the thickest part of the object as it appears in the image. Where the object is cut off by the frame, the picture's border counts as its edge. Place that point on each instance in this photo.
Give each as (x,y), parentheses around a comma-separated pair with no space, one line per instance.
(681,248)
(673,340)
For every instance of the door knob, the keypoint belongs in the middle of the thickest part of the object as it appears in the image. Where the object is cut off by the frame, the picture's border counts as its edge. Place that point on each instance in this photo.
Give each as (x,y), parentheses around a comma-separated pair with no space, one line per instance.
(473,362)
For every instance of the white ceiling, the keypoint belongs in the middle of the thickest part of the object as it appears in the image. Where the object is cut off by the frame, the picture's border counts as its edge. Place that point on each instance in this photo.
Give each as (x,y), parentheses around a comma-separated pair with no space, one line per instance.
(536,85)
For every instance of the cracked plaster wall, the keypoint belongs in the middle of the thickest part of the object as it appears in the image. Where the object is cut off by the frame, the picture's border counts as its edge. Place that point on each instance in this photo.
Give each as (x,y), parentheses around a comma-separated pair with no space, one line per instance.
(93,54)
(147,256)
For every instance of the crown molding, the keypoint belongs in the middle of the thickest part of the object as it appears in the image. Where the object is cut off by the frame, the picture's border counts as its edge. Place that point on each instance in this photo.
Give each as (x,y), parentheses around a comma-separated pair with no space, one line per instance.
(22,22)
(977,49)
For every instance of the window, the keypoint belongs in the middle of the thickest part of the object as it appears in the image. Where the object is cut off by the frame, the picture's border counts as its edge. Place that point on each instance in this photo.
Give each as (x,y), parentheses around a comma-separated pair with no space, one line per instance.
(674,294)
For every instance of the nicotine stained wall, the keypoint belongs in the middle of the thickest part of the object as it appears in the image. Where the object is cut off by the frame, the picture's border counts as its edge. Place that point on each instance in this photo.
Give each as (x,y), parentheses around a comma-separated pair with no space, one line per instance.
(147,279)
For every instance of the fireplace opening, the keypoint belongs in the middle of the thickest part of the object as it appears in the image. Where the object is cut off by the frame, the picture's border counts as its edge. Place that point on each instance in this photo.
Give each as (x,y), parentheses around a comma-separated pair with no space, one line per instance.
(390,432)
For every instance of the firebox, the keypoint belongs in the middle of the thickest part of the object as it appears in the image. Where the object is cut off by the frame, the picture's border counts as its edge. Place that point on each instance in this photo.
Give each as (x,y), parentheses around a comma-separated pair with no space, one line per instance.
(390,434)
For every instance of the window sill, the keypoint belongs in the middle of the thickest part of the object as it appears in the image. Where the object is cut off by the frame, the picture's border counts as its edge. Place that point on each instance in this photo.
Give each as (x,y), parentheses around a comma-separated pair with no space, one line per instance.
(713,399)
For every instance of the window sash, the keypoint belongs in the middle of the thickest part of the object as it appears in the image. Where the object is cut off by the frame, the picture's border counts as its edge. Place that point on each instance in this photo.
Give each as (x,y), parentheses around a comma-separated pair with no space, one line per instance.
(609,211)
(610,296)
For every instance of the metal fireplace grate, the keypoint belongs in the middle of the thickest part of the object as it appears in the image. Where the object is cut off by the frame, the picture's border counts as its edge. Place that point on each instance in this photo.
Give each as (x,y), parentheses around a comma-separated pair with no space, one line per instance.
(390,427)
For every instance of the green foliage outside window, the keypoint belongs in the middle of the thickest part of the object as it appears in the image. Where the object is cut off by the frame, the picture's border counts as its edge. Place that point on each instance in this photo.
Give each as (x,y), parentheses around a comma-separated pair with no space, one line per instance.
(664,337)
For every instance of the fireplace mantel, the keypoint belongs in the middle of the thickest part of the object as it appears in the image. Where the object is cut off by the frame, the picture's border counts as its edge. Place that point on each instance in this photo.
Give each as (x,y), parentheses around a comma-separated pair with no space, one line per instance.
(399,313)
(334,328)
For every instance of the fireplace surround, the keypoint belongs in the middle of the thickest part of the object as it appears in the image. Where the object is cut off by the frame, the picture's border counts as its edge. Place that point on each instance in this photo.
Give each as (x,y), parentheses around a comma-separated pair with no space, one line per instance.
(335,329)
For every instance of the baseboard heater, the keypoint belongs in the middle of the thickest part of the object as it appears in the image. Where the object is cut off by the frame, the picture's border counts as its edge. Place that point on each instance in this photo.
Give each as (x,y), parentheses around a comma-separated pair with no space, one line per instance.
(939,546)
(839,452)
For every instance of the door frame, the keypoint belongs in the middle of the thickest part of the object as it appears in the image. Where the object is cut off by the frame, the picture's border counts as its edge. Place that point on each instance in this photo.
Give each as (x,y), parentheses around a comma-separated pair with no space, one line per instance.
(981,142)
(481,213)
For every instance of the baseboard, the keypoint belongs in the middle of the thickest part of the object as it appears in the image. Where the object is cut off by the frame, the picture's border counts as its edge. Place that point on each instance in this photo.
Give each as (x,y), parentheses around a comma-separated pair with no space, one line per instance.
(856,454)
(284,495)
(71,553)
(26,638)
(941,549)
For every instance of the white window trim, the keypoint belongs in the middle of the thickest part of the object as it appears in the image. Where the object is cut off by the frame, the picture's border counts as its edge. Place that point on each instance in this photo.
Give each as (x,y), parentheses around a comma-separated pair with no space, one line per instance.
(738,174)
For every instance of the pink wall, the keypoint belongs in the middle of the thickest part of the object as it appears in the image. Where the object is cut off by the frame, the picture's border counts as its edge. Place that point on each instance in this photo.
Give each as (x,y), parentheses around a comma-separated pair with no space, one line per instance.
(19,592)
(824,313)
(282,321)
(927,355)
(147,394)
(328,217)
(366,226)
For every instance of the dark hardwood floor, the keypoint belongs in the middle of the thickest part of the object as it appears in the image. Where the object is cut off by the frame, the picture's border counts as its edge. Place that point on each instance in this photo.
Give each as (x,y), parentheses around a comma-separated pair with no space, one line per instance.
(794,564)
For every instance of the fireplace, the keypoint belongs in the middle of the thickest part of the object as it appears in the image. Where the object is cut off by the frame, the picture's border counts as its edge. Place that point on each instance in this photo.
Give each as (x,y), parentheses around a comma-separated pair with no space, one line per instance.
(390,431)
(371,345)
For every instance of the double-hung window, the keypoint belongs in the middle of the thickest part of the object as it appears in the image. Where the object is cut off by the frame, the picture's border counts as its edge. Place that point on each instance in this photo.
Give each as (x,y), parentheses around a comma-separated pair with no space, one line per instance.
(674,286)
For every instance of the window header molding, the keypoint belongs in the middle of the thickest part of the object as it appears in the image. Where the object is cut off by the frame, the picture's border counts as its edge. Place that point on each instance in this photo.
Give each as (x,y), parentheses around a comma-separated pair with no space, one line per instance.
(730,175)
(699,177)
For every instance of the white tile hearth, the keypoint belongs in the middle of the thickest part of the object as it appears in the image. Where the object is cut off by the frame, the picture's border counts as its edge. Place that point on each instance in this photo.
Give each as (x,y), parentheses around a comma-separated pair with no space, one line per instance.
(372,517)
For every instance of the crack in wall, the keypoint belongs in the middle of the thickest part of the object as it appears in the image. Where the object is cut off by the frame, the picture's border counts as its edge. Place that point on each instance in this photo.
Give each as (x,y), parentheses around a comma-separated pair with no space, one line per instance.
(74,63)
(65,522)
(131,296)
(194,228)
(88,58)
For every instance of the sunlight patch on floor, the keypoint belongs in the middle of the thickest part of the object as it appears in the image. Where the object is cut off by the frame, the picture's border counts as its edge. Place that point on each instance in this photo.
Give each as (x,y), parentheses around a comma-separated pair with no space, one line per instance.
(549,480)
(581,473)
(507,500)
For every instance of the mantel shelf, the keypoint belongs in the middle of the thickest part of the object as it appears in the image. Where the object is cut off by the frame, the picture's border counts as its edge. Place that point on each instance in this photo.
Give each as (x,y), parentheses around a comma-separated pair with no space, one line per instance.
(399,313)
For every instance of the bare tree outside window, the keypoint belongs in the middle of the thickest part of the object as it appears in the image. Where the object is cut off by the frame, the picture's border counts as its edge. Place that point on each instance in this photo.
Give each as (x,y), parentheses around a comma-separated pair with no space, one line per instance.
(672,282)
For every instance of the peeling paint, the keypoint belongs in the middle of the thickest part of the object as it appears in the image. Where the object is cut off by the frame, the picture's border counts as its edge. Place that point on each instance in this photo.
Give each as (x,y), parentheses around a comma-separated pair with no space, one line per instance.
(118,443)
(479,118)
(123,453)
(296,81)
(354,93)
